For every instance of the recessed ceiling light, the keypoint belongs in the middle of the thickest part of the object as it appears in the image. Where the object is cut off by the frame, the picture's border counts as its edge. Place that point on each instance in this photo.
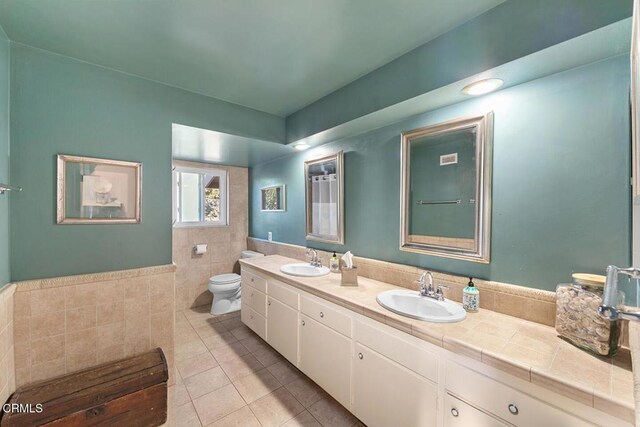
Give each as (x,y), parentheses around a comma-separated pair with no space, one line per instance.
(301,146)
(482,86)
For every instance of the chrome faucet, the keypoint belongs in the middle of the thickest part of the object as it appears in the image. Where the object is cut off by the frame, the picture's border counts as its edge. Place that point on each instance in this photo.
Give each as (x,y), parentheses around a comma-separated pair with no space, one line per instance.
(610,308)
(430,291)
(316,261)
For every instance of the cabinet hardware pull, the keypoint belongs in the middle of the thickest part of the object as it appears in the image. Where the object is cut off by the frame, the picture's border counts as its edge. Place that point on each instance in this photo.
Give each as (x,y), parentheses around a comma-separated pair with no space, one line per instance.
(321,314)
(360,356)
(252,279)
(303,323)
(513,409)
(454,412)
(268,302)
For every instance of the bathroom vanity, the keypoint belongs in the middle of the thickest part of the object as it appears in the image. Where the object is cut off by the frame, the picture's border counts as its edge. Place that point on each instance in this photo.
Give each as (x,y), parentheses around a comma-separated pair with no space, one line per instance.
(391,370)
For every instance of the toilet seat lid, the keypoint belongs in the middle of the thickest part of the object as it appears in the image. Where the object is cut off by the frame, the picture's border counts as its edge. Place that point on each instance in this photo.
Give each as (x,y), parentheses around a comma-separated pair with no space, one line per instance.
(224,279)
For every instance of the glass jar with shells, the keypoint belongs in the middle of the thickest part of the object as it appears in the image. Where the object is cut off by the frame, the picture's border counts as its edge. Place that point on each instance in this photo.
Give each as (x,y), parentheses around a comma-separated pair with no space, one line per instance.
(577,317)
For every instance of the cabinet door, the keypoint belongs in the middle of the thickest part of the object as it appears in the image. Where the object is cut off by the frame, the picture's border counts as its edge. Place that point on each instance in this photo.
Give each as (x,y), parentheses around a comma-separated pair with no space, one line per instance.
(325,358)
(387,394)
(459,414)
(282,329)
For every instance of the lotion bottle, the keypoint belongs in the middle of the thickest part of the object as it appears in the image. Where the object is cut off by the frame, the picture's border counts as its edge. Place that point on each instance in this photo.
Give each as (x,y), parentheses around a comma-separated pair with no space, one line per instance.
(334,264)
(471,297)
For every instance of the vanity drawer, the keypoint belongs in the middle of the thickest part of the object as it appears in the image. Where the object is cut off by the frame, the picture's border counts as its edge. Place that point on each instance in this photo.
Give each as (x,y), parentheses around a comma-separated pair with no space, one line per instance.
(255,299)
(401,351)
(504,402)
(283,293)
(254,321)
(327,315)
(252,279)
(459,414)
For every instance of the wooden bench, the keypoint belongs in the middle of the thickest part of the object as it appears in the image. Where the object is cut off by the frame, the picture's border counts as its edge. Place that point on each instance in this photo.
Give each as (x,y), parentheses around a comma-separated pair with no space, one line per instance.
(130,392)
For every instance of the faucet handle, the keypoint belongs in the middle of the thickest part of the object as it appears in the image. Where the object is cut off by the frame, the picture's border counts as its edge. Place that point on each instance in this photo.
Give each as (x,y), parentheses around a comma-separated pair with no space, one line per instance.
(440,288)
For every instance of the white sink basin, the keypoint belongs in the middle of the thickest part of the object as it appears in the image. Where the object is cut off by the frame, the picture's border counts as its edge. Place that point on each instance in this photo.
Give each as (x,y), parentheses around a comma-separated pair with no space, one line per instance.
(304,269)
(411,304)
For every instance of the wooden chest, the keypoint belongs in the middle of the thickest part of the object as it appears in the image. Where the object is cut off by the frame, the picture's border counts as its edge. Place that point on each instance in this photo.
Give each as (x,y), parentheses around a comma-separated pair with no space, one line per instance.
(130,392)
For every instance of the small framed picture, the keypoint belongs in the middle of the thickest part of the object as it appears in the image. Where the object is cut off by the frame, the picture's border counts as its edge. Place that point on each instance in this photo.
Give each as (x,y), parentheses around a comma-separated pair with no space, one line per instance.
(98,191)
(273,198)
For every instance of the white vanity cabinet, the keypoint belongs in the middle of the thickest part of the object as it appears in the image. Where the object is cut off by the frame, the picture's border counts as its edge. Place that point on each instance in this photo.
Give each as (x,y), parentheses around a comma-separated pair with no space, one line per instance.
(325,352)
(386,393)
(387,377)
(505,402)
(282,320)
(253,308)
(394,379)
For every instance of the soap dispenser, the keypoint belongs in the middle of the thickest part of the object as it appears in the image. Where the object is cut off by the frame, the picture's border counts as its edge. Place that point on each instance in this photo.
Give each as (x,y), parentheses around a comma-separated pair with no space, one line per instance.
(334,263)
(471,297)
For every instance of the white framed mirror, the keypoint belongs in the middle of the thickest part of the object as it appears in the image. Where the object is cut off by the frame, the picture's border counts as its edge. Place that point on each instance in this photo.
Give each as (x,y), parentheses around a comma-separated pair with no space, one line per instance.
(324,194)
(445,206)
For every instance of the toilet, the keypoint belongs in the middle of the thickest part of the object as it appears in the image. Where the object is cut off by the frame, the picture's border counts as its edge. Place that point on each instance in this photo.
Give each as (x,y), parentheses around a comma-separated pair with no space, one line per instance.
(226,289)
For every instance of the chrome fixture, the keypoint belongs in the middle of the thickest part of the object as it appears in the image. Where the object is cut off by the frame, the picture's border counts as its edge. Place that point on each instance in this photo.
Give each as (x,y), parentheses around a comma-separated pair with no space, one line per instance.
(610,308)
(6,187)
(316,261)
(440,202)
(430,291)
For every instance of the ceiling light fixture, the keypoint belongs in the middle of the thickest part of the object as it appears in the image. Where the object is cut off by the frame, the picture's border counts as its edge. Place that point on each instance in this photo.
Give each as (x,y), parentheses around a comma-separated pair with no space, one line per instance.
(301,146)
(482,86)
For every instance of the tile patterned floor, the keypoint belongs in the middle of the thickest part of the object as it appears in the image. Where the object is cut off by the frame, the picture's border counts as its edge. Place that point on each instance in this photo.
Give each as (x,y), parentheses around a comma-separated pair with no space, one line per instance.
(228,376)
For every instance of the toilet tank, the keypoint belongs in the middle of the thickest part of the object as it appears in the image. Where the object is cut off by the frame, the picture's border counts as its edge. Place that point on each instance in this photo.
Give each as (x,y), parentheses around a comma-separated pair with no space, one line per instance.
(250,254)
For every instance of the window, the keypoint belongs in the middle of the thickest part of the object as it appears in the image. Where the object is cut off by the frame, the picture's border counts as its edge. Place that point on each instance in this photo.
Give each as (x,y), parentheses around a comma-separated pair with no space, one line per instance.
(200,197)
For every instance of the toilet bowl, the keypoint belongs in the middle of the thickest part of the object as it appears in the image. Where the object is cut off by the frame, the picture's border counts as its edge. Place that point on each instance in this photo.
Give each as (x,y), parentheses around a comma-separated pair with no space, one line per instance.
(226,289)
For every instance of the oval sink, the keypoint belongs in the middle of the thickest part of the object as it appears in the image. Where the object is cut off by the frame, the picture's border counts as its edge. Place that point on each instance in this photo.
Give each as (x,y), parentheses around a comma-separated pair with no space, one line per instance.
(304,270)
(411,304)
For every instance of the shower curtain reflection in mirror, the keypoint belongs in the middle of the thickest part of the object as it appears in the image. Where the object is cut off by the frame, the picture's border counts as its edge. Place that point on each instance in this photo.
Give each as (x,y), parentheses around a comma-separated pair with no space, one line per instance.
(324,199)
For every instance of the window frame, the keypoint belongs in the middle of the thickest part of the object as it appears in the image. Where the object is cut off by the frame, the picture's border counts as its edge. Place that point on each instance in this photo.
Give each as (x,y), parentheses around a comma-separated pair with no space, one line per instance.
(224,197)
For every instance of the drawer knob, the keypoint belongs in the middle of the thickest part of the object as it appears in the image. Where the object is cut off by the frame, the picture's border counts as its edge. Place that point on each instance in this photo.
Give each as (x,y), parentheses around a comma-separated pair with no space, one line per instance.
(268,302)
(513,409)
(252,279)
(303,323)
(454,412)
(360,356)
(321,314)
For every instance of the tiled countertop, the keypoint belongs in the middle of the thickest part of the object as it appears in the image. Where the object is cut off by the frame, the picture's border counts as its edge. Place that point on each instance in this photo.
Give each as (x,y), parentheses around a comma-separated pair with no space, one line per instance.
(527,350)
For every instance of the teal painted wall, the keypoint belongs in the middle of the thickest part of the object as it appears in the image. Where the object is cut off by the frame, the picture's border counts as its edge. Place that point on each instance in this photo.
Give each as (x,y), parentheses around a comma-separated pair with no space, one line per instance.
(509,31)
(4,157)
(432,182)
(60,105)
(561,194)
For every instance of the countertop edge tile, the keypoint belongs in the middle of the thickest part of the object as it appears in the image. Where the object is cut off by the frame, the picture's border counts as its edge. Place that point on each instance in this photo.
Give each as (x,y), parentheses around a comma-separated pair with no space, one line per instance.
(463,348)
(567,388)
(514,368)
(623,410)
